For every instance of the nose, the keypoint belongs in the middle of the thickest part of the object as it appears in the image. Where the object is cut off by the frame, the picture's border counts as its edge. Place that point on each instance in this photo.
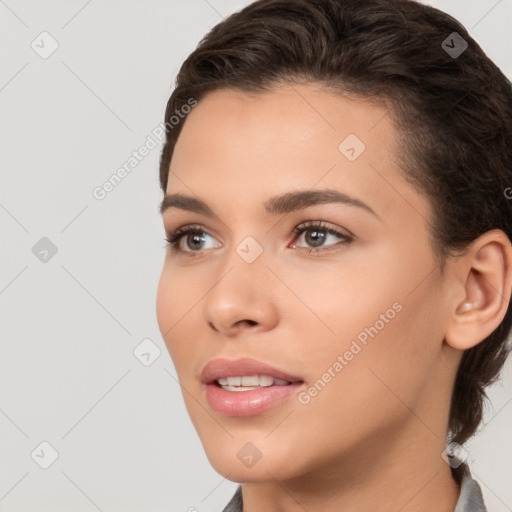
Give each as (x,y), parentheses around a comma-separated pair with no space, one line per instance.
(242,298)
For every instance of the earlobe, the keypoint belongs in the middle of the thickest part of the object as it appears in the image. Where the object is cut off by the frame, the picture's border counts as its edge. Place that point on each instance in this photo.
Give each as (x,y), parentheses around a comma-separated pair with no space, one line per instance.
(487,283)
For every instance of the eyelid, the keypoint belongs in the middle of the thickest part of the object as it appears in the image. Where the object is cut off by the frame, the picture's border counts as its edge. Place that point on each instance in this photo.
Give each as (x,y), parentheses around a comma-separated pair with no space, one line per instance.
(324,226)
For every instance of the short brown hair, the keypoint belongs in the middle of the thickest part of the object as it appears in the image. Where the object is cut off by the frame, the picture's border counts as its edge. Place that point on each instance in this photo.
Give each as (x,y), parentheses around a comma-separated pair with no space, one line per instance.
(453,114)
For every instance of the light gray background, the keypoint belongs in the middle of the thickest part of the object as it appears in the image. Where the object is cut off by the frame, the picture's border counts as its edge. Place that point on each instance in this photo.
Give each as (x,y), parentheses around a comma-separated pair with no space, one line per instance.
(69,325)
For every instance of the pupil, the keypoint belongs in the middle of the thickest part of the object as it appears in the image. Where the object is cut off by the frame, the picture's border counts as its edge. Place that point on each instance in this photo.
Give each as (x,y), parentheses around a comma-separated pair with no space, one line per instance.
(317,238)
(197,238)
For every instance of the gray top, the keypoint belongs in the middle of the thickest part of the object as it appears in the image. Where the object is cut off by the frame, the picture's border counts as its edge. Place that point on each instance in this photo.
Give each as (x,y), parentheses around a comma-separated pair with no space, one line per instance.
(470,499)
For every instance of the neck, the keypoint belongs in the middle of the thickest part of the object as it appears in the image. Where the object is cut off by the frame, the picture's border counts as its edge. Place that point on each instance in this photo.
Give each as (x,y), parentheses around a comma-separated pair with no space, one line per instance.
(405,473)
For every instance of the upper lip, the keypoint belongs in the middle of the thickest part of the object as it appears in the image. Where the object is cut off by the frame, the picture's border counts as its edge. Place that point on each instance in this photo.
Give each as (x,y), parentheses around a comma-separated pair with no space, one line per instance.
(222,368)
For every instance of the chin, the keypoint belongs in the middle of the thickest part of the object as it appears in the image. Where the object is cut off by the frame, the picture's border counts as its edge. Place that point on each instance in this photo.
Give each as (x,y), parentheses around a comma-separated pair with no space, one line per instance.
(241,460)
(261,471)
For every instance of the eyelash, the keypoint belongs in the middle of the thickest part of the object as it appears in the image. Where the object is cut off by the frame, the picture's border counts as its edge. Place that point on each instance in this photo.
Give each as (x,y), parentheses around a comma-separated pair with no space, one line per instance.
(174,239)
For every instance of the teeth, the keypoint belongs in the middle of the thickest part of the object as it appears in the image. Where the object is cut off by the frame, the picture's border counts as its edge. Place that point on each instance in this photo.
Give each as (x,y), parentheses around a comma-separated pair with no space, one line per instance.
(265,380)
(251,381)
(234,381)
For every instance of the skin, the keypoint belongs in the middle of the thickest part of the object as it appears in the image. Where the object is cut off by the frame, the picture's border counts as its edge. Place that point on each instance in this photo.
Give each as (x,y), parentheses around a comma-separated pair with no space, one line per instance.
(373,437)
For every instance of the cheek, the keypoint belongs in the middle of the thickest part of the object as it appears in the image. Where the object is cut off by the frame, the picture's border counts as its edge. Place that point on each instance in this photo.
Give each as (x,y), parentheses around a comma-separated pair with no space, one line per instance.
(339,299)
(171,299)
(164,303)
(357,390)
(372,313)
(178,291)
(179,302)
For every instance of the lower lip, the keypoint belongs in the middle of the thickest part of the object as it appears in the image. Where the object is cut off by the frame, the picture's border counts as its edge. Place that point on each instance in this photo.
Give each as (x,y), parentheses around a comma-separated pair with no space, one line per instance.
(248,403)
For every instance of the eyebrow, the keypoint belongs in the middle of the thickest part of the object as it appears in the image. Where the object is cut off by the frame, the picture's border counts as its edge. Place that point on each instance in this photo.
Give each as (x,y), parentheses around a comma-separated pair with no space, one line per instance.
(285,203)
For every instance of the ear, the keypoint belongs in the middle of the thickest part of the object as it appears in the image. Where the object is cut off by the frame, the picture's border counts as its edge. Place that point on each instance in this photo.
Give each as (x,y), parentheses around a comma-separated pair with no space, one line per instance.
(485,275)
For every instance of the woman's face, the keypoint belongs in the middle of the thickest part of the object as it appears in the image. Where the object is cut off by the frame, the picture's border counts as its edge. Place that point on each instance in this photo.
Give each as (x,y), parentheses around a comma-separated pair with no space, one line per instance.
(358,322)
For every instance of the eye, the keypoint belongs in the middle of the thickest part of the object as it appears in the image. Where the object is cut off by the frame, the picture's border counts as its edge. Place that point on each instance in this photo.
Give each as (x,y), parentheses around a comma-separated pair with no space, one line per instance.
(193,236)
(316,233)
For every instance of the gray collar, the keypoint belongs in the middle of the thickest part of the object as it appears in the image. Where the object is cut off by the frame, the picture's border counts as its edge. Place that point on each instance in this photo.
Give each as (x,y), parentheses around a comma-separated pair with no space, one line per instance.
(470,499)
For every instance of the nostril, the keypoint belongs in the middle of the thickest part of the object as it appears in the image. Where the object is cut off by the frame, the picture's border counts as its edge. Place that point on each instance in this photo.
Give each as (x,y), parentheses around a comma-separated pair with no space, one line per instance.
(250,322)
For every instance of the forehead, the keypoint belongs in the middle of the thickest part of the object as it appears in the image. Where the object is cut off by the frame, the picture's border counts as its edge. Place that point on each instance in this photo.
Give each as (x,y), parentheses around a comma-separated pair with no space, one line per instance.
(245,148)
(289,118)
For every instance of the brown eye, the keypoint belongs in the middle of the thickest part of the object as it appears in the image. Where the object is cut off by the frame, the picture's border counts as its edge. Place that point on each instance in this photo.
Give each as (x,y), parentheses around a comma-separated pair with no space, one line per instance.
(315,237)
(316,234)
(194,240)
(194,236)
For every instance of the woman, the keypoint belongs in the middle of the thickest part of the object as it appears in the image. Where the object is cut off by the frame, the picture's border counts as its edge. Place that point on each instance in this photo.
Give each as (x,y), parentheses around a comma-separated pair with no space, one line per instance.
(335,295)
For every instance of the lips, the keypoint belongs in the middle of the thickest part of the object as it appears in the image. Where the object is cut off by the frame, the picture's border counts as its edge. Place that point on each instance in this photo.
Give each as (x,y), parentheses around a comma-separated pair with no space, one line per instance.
(224,368)
(232,396)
